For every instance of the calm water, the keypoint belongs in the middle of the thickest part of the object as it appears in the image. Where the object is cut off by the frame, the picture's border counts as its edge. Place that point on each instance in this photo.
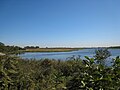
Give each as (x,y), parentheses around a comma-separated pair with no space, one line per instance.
(64,55)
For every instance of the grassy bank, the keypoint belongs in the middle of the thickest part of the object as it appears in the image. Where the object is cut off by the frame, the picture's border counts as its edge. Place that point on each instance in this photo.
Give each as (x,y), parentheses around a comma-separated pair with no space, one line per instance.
(52,49)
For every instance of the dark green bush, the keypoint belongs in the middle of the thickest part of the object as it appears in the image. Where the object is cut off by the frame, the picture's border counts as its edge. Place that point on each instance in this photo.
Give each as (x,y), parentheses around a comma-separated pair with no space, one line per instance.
(75,74)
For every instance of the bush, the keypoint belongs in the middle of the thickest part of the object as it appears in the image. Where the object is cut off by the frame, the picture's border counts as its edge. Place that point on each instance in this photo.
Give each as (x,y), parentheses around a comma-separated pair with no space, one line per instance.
(75,74)
(101,54)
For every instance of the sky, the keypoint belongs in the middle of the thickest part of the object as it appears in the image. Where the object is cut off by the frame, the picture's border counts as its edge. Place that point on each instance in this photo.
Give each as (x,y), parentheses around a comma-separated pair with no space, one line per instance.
(60,23)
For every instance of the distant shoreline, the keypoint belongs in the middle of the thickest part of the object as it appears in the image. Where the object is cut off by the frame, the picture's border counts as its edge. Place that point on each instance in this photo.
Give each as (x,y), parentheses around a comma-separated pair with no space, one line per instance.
(57,49)
(52,50)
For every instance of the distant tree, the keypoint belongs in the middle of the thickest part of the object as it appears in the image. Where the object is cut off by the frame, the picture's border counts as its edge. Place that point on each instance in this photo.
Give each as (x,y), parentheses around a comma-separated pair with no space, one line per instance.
(2,44)
(116,47)
(9,49)
(31,47)
(26,47)
(37,47)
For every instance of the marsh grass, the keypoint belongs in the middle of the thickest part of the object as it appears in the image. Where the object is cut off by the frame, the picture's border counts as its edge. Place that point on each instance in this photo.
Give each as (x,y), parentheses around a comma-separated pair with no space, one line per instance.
(52,49)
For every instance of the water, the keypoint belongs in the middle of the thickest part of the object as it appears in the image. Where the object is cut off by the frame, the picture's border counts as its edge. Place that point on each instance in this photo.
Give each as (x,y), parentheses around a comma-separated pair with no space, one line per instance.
(65,55)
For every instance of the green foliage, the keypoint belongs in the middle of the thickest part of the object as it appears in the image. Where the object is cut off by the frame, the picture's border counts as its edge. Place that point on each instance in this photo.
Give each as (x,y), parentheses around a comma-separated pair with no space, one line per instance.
(73,74)
(10,49)
(8,72)
(2,44)
(31,47)
(101,54)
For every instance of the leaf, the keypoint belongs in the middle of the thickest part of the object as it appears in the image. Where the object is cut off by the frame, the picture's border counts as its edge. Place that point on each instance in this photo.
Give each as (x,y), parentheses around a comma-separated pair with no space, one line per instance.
(83,83)
(87,57)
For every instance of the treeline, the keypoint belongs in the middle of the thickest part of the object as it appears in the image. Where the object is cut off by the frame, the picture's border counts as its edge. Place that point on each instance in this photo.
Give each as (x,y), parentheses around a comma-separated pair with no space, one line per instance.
(73,74)
(14,49)
(115,47)
(31,47)
(6,49)
(9,49)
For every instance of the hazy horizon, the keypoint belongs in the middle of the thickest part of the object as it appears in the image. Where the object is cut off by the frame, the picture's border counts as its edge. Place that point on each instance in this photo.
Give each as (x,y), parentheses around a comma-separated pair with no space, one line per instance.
(60,23)
(60,46)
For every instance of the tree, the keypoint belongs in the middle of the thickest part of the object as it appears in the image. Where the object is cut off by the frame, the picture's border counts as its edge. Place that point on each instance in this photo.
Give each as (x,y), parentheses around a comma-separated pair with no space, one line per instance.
(2,44)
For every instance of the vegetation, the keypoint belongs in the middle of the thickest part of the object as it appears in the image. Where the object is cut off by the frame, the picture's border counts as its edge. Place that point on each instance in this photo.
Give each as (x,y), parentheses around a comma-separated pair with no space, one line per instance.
(73,74)
(31,47)
(115,47)
(51,49)
(101,55)
(10,49)
(16,50)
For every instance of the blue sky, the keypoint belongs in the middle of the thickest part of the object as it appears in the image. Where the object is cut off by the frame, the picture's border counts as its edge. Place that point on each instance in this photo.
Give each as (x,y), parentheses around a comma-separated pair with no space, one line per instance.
(60,23)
